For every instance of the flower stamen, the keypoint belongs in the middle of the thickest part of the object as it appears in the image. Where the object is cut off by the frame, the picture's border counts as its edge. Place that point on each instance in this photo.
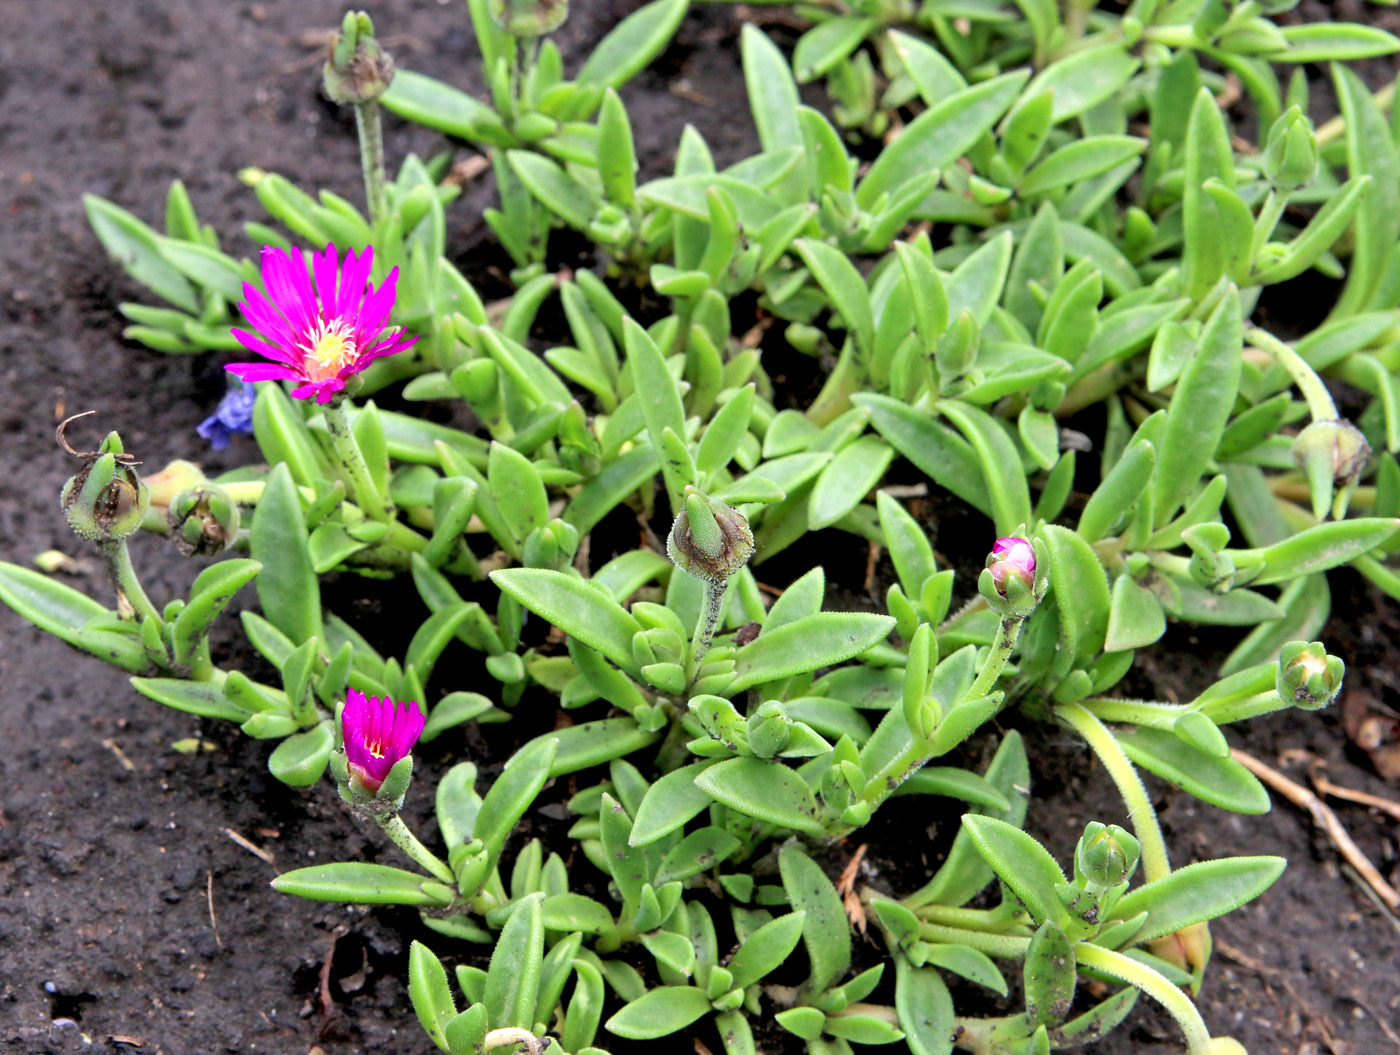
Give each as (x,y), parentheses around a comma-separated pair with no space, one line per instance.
(330,347)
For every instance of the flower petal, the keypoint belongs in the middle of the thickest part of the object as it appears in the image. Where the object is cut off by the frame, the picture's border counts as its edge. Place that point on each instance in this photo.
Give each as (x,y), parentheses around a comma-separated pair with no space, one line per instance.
(265,317)
(326,272)
(288,285)
(262,372)
(292,359)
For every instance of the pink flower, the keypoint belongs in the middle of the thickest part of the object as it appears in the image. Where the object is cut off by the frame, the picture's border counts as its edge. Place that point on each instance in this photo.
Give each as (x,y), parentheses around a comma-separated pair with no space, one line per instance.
(318,336)
(377,733)
(1012,556)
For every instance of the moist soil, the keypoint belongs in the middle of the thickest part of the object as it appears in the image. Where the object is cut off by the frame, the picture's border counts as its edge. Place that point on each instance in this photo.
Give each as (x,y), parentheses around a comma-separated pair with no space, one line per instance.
(135,910)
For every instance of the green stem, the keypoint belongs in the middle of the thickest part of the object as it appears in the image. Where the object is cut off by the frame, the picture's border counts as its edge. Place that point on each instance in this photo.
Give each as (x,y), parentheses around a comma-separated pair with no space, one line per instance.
(406,841)
(371,130)
(132,602)
(1003,946)
(705,629)
(1249,707)
(352,459)
(1177,1004)
(984,921)
(1136,712)
(1144,818)
(997,657)
(1320,404)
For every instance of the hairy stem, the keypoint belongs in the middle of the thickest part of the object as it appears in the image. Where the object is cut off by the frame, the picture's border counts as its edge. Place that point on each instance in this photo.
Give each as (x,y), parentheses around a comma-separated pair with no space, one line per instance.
(406,841)
(1144,818)
(132,602)
(371,129)
(1177,1004)
(352,459)
(996,659)
(704,635)
(1320,404)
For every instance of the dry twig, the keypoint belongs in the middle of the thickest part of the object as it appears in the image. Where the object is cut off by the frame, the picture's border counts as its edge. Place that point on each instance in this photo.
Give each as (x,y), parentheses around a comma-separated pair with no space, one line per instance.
(846,887)
(1325,819)
(252,848)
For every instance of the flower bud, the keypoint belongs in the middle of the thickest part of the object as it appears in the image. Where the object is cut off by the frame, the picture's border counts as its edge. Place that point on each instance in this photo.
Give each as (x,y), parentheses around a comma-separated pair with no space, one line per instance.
(357,69)
(529,18)
(106,499)
(1013,583)
(203,521)
(709,539)
(1290,154)
(1308,677)
(1106,854)
(1331,452)
(769,729)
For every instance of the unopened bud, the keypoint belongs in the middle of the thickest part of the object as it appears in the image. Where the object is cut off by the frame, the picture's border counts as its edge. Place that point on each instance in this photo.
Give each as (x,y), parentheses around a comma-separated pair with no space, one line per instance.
(357,69)
(1106,854)
(1308,677)
(529,18)
(106,499)
(709,539)
(1012,583)
(203,521)
(1290,154)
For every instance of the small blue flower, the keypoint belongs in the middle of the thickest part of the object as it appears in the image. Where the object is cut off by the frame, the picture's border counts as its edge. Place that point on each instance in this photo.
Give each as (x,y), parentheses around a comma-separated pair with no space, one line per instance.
(234,414)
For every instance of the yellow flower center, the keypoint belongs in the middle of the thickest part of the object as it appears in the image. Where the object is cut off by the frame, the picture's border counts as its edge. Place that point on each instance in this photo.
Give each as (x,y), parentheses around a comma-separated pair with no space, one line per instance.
(331,348)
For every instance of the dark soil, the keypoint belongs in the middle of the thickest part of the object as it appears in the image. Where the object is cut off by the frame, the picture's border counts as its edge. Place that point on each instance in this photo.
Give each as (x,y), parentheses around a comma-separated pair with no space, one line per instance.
(131,920)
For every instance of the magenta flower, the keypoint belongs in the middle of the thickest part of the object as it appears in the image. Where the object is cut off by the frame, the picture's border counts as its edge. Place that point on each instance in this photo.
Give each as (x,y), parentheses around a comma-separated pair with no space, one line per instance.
(377,733)
(1012,556)
(318,336)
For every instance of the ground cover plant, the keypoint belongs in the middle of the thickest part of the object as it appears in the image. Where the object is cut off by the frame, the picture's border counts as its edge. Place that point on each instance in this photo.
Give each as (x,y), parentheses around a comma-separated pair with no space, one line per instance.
(737,748)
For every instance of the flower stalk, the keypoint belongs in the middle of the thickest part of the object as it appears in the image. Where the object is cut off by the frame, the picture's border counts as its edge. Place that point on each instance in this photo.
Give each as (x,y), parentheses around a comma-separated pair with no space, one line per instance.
(363,489)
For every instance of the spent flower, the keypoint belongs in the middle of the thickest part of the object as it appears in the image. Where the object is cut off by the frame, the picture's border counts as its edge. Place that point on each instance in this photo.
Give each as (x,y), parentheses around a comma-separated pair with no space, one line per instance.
(106,499)
(321,335)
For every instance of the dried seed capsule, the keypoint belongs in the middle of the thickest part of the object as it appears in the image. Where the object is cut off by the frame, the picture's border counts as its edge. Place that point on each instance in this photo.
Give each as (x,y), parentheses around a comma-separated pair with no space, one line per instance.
(357,69)
(709,539)
(106,498)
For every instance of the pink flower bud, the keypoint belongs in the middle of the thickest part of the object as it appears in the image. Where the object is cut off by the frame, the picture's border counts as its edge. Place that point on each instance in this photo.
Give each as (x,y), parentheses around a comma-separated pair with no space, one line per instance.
(1012,556)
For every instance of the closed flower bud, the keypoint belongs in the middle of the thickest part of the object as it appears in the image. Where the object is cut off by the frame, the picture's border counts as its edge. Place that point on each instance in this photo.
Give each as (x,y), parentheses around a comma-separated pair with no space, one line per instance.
(203,521)
(709,539)
(1106,854)
(106,499)
(769,729)
(1308,677)
(529,18)
(1013,583)
(357,69)
(1290,155)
